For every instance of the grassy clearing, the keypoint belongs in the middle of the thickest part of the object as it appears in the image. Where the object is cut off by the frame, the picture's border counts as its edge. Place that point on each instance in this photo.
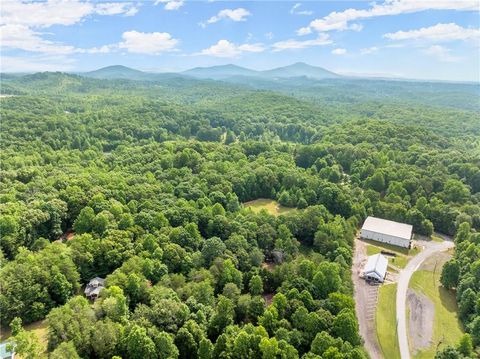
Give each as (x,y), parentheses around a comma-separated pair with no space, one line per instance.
(389,247)
(399,261)
(447,329)
(386,321)
(270,205)
(436,238)
(40,329)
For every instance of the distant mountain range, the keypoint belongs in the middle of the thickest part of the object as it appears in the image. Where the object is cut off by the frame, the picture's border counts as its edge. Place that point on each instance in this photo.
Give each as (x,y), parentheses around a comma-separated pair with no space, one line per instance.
(223,72)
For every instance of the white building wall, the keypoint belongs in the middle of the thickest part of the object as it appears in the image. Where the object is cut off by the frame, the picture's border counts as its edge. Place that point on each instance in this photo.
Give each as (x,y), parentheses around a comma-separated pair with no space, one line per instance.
(385,238)
(373,275)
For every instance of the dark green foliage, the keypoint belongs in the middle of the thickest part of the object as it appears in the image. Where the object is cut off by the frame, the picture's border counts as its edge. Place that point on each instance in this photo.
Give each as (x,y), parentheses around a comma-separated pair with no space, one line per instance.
(142,183)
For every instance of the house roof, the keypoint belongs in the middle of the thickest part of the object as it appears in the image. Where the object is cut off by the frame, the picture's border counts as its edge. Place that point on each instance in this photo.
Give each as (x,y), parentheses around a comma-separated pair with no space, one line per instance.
(377,263)
(94,286)
(4,353)
(97,281)
(391,228)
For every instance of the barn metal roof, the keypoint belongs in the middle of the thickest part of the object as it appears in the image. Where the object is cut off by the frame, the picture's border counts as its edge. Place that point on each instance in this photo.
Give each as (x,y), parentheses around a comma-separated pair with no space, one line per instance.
(391,228)
(377,263)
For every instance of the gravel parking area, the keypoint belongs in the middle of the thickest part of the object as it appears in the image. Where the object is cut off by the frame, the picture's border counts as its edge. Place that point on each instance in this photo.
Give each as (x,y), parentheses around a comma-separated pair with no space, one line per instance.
(365,302)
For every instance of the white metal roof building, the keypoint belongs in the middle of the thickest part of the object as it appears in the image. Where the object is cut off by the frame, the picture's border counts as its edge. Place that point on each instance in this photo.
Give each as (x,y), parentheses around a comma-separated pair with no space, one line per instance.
(376,268)
(383,230)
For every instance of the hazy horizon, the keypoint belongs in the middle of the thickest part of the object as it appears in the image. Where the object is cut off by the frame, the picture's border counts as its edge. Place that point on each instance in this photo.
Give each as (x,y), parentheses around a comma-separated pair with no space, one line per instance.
(402,39)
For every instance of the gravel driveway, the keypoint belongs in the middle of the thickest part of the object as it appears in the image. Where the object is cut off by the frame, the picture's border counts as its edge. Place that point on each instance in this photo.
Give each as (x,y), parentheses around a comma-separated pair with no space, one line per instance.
(365,302)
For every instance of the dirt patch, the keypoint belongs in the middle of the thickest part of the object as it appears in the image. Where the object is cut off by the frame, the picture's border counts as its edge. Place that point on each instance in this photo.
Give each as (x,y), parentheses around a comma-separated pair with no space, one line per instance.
(420,321)
(365,301)
(270,266)
(268,298)
(435,262)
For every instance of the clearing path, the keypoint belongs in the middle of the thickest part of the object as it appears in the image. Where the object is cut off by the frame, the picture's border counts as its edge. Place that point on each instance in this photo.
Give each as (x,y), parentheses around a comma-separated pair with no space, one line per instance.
(403,279)
(422,311)
(365,301)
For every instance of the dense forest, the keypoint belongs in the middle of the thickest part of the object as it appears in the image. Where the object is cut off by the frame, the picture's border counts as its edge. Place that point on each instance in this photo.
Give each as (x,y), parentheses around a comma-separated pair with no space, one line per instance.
(143,183)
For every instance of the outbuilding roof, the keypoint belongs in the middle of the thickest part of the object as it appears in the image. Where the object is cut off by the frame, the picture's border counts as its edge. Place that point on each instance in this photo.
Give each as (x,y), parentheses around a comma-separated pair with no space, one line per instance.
(377,263)
(385,226)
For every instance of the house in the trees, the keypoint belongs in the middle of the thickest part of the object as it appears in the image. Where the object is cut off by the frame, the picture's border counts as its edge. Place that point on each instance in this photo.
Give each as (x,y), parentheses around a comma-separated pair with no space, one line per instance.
(6,352)
(382,230)
(376,268)
(93,288)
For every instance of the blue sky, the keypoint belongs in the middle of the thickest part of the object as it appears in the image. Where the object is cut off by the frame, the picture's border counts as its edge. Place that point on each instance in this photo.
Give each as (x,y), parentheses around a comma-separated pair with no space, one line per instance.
(402,38)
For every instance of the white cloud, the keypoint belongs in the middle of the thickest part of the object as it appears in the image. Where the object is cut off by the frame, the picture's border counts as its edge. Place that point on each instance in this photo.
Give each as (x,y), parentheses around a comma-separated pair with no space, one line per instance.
(225,48)
(368,50)
(441,53)
(304,31)
(151,43)
(339,51)
(295,10)
(23,38)
(58,12)
(22,23)
(35,64)
(115,8)
(251,47)
(340,20)
(171,4)
(322,39)
(239,14)
(439,32)
(356,27)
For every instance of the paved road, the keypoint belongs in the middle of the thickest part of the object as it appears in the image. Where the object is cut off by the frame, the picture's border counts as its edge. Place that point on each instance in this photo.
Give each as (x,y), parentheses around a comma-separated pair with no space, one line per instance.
(403,279)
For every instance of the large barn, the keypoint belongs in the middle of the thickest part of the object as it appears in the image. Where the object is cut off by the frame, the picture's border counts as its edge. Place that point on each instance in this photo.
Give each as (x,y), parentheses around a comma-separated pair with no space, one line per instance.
(382,230)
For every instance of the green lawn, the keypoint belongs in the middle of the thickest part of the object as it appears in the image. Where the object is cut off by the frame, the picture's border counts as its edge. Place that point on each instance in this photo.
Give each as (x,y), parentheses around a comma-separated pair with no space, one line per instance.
(399,261)
(390,247)
(270,205)
(40,329)
(447,328)
(386,321)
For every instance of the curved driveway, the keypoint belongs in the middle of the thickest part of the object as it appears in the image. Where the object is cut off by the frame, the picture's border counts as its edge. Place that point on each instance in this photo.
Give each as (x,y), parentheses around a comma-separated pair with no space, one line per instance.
(403,279)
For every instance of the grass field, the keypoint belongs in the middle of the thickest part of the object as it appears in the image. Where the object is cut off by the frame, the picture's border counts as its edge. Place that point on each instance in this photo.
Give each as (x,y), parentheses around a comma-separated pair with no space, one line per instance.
(40,329)
(386,321)
(447,329)
(270,205)
(399,261)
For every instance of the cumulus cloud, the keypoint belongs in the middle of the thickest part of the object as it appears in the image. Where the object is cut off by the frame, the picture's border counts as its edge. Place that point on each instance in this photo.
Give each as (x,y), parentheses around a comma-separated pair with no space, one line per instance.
(22,23)
(340,20)
(115,8)
(296,11)
(322,39)
(170,4)
(58,12)
(339,51)
(368,50)
(436,33)
(151,43)
(23,38)
(441,53)
(225,48)
(239,14)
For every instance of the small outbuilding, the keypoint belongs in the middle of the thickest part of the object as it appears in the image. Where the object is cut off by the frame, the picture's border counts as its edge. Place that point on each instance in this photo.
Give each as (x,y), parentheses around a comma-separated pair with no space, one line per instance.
(6,352)
(94,287)
(383,230)
(376,268)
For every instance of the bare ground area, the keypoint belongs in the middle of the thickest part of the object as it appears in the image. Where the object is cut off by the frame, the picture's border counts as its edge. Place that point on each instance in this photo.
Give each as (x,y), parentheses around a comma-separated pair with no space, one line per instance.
(420,321)
(365,302)
(436,262)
